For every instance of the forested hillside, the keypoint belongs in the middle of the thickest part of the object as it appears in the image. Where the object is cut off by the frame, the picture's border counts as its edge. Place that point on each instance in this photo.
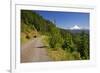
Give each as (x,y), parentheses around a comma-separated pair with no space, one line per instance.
(60,43)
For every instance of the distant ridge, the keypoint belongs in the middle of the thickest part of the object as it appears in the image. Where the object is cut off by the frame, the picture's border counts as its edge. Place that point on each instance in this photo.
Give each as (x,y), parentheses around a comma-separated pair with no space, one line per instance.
(75,31)
(79,31)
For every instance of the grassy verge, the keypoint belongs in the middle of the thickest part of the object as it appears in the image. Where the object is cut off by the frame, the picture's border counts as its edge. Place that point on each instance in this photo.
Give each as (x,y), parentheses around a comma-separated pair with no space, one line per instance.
(45,40)
(61,55)
(23,38)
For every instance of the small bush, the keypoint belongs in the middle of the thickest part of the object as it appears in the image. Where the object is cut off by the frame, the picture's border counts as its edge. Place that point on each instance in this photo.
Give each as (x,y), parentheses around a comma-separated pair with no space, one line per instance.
(76,55)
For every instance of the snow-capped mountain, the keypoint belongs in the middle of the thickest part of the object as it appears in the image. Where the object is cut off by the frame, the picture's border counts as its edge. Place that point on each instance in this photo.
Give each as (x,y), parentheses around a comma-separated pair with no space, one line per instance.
(75,27)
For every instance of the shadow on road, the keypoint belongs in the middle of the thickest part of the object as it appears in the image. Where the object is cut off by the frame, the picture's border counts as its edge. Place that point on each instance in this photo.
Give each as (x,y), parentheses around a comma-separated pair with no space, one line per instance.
(42,47)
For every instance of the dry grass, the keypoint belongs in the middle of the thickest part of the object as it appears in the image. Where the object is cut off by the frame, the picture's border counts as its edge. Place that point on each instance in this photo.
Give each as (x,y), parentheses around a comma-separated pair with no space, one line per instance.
(25,36)
(61,55)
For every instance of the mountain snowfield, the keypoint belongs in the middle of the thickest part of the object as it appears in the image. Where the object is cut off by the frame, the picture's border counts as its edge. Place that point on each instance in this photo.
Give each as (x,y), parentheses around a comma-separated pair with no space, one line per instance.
(75,27)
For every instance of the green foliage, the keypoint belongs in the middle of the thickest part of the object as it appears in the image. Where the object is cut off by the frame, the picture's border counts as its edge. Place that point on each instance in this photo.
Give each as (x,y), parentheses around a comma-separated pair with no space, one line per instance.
(82,43)
(36,21)
(55,40)
(68,43)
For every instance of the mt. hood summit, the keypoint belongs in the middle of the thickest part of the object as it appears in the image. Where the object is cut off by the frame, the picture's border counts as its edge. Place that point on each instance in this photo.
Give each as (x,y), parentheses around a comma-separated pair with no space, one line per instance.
(75,27)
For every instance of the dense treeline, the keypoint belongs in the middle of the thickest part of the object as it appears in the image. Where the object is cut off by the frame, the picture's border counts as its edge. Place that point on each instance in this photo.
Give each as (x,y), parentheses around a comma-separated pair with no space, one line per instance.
(75,46)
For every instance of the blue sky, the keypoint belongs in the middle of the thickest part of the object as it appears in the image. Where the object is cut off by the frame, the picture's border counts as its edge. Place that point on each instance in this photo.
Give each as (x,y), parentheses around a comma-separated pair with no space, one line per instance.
(67,19)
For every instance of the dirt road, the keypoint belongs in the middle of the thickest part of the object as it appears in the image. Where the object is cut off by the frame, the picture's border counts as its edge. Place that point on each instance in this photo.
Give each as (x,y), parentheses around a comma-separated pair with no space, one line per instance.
(34,51)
